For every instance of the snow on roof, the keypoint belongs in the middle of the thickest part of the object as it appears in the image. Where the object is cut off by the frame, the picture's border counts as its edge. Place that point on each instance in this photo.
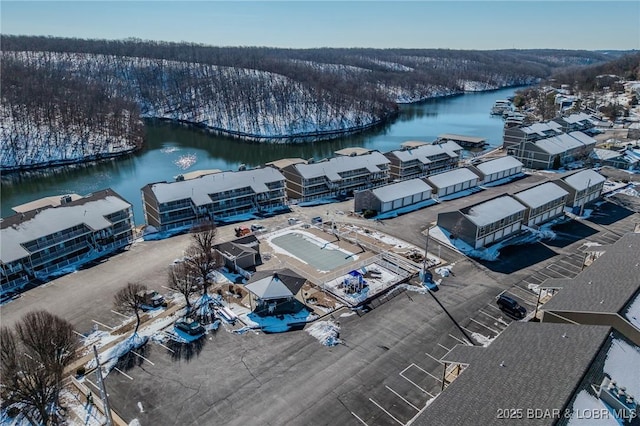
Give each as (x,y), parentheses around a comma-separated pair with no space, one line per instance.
(542,128)
(585,139)
(198,189)
(540,194)
(400,190)
(54,219)
(270,287)
(580,180)
(606,154)
(498,165)
(44,202)
(449,148)
(577,118)
(493,210)
(336,165)
(562,143)
(452,177)
(619,365)
(353,151)
(556,359)
(609,285)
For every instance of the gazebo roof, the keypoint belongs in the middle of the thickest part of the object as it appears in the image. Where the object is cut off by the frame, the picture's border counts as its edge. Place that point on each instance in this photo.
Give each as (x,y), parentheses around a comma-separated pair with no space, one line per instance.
(276,285)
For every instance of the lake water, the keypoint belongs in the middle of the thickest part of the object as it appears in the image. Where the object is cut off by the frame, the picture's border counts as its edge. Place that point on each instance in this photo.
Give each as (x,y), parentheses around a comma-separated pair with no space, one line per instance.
(171,150)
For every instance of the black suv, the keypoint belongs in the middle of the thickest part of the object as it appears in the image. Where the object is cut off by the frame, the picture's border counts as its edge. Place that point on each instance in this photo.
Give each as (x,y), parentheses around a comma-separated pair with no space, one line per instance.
(511,307)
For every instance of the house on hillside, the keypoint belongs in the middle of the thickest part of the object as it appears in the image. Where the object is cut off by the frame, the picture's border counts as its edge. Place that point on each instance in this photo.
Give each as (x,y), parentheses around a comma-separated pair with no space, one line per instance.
(539,374)
(605,293)
(393,196)
(499,168)
(580,122)
(544,202)
(453,181)
(337,177)
(213,197)
(583,187)
(40,243)
(485,223)
(420,159)
(515,137)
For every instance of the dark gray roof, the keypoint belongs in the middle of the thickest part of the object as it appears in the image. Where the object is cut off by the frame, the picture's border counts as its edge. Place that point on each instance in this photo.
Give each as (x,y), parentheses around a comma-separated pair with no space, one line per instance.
(530,365)
(607,285)
(540,194)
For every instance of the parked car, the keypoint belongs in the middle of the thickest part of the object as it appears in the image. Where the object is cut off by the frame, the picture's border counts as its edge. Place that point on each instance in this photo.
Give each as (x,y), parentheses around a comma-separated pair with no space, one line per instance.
(151,299)
(242,231)
(192,328)
(511,306)
(258,228)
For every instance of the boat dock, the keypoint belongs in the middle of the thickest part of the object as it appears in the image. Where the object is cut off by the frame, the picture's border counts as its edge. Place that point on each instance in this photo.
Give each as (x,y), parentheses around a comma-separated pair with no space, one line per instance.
(464,141)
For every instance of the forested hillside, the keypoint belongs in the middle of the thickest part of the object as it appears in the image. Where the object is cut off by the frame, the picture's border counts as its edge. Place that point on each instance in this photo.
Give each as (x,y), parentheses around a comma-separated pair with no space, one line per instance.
(262,94)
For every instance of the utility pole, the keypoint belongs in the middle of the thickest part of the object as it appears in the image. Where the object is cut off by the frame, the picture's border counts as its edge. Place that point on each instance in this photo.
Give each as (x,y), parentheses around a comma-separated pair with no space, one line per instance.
(103,391)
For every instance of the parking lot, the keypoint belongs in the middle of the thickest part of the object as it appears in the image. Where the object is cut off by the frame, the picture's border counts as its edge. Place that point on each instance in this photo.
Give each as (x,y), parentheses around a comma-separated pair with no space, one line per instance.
(384,372)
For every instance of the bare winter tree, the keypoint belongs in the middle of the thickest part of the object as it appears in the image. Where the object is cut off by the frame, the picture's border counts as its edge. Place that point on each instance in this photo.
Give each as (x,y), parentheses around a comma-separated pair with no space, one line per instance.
(33,358)
(181,280)
(201,258)
(129,300)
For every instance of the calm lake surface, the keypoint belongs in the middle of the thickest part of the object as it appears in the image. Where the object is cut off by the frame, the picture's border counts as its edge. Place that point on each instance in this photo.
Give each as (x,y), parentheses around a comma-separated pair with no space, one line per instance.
(171,150)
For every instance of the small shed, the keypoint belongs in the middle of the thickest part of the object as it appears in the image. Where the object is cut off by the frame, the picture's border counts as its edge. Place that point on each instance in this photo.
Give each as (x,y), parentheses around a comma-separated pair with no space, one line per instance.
(393,196)
(453,181)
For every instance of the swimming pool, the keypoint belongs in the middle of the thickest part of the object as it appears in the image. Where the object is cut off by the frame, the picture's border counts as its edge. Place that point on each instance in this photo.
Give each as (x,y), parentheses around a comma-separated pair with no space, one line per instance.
(318,253)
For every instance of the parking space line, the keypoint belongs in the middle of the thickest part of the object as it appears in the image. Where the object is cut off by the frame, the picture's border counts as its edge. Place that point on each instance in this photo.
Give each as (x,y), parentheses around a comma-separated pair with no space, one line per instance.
(434,358)
(571,274)
(459,340)
(105,326)
(137,354)
(444,347)
(522,299)
(413,383)
(361,421)
(500,320)
(485,326)
(167,348)
(543,274)
(402,398)
(468,331)
(569,264)
(495,307)
(121,314)
(388,413)
(123,373)
(425,371)
(79,334)
(527,292)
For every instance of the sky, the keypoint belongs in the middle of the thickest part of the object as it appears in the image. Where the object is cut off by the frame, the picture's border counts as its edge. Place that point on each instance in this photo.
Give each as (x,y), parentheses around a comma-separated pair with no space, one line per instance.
(453,24)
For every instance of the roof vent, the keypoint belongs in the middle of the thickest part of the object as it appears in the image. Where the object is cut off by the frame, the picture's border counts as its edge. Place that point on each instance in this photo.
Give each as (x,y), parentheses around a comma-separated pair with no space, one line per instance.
(564,335)
(502,364)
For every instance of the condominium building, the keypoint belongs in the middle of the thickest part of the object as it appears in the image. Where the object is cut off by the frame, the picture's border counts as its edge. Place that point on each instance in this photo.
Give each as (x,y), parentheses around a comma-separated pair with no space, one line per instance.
(583,187)
(419,160)
(40,243)
(213,197)
(337,177)
(544,202)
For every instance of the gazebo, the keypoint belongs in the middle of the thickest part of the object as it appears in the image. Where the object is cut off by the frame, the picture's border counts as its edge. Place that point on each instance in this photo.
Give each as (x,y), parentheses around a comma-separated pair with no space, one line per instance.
(274,292)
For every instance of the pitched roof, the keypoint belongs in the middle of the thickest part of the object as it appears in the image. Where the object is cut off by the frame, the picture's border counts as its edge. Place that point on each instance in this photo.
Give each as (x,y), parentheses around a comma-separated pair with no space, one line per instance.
(504,376)
(493,210)
(336,165)
(498,165)
(198,189)
(423,152)
(584,178)
(402,189)
(540,194)
(564,142)
(24,227)
(452,177)
(275,284)
(608,285)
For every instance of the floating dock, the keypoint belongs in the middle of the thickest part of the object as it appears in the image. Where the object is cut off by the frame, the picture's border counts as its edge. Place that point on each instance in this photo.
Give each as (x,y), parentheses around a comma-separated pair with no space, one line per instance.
(463,141)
